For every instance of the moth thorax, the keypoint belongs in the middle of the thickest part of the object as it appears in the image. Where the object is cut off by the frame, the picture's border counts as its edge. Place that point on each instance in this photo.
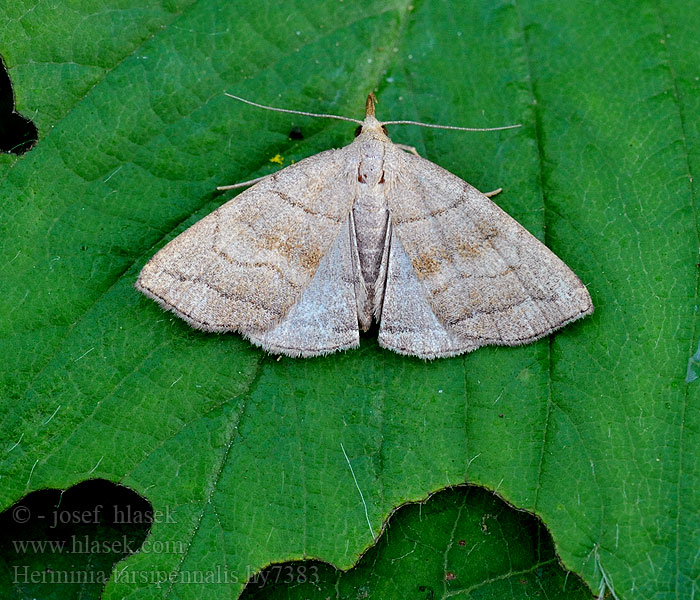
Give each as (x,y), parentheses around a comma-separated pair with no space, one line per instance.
(370,170)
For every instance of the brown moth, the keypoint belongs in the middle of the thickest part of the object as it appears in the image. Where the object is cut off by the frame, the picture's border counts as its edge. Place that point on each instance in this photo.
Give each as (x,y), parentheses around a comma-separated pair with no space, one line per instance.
(309,256)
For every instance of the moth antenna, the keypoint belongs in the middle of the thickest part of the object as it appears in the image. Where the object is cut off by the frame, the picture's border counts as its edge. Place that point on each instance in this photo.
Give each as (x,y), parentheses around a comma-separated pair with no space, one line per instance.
(294,112)
(451,126)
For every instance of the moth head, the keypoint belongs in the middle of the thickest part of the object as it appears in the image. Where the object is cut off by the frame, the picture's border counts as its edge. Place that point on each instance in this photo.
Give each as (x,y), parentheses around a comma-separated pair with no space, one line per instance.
(370,126)
(364,128)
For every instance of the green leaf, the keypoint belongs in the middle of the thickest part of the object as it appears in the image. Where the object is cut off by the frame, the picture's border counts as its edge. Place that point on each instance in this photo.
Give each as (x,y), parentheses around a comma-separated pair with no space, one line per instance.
(598,433)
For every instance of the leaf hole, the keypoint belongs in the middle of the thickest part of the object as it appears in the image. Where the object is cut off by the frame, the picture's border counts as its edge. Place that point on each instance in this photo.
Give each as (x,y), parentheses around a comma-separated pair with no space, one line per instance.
(68,541)
(296,134)
(460,539)
(18,134)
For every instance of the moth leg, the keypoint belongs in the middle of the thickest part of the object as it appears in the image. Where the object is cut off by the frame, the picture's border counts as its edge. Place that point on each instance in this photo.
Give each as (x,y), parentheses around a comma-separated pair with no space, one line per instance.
(242,184)
(408,148)
(493,193)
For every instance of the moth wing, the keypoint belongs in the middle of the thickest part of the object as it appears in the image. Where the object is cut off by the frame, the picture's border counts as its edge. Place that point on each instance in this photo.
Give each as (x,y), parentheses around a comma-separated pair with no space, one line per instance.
(244,266)
(325,319)
(485,277)
(408,324)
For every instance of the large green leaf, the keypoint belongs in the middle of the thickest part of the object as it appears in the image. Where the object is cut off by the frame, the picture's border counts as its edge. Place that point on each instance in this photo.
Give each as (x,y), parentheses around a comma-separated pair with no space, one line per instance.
(598,434)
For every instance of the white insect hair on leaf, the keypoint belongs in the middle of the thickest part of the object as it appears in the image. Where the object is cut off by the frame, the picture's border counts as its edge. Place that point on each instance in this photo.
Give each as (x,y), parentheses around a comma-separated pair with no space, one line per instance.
(605,580)
(313,254)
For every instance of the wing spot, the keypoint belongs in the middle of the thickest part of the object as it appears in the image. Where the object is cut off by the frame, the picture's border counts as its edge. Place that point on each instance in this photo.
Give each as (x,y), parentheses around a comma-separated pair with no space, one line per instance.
(268,243)
(468,249)
(293,249)
(425,265)
(256,265)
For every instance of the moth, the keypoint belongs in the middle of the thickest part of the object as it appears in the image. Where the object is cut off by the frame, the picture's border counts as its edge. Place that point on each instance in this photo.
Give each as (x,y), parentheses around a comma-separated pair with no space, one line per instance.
(311,255)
